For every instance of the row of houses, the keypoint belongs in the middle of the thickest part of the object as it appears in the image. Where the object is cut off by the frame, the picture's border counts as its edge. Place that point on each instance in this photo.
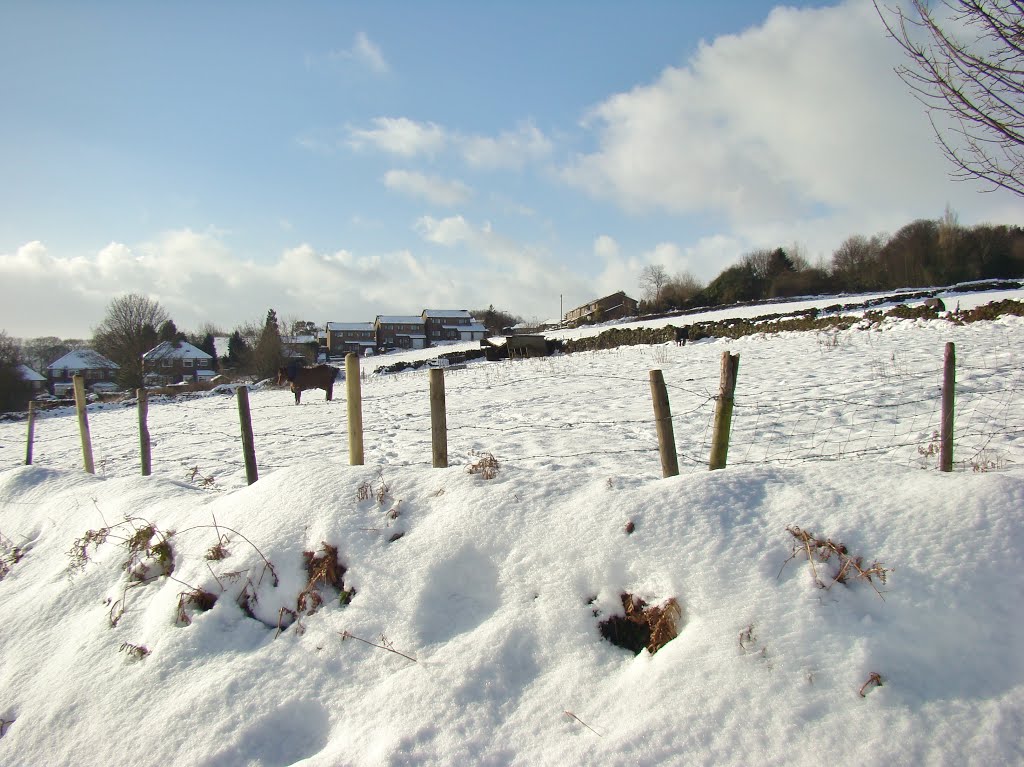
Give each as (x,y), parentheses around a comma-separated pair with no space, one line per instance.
(172,362)
(168,362)
(415,331)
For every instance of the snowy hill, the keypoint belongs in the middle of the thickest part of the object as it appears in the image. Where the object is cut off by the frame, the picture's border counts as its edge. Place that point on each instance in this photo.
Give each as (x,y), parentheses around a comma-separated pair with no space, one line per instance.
(191,629)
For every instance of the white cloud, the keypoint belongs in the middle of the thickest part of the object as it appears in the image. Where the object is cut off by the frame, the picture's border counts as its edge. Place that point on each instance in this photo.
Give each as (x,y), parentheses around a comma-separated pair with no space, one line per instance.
(797,125)
(409,138)
(400,136)
(365,52)
(198,279)
(431,188)
(510,149)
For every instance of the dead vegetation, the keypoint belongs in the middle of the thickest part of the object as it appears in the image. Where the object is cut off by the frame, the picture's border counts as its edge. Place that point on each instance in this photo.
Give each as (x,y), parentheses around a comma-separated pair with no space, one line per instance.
(324,570)
(643,626)
(149,551)
(385,644)
(134,651)
(368,490)
(874,680)
(844,566)
(486,465)
(10,555)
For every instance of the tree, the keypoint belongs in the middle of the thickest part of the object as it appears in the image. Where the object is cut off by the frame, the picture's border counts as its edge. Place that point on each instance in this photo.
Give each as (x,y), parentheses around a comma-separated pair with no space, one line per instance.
(14,390)
(304,328)
(127,332)
(268,355)
(653,279)
(238,351)
(855,263)
(495,320)
(38,353)
(168,331)
(968,71)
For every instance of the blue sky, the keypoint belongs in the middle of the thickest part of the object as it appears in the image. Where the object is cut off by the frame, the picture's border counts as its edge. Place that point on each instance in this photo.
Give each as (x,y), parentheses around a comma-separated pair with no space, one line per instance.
(336,161)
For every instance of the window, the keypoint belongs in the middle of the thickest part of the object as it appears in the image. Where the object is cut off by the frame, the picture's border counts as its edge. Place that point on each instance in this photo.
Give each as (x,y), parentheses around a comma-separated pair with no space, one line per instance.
(186,362)
(167,363)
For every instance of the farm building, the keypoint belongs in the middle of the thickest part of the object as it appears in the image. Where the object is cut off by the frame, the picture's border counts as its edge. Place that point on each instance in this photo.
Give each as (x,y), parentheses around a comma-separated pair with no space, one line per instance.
(617,306)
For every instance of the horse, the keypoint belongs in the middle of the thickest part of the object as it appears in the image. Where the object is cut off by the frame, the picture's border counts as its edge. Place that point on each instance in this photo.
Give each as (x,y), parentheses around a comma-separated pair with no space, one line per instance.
(320,377)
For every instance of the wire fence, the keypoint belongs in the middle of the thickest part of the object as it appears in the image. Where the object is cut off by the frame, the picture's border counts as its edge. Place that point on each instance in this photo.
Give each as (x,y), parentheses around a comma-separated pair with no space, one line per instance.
(583,410)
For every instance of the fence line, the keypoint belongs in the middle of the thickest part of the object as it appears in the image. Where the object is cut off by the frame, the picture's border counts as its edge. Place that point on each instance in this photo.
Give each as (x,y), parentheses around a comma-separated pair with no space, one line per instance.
(770,425)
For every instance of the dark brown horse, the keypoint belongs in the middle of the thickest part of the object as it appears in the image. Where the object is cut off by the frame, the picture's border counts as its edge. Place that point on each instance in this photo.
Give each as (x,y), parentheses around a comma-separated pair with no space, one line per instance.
(320,377)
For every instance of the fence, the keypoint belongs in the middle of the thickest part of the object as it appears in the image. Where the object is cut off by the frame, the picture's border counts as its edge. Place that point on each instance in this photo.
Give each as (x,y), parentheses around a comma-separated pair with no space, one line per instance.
(578,411)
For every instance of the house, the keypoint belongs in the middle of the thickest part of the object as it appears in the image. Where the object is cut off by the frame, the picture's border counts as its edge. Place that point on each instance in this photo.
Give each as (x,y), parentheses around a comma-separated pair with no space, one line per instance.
(350,337)
(301,348)
(176,361)
(89,364)
(35,381)
(400,332)
(451,325)
(617,306)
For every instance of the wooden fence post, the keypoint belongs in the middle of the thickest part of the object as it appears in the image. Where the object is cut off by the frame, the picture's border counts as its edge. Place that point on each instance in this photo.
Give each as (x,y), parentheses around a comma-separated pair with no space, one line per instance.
(438,420)
(31,432)
(723,411)
(83,423)
(248,447)
(354,397)
(948,389)
(144,444)
(663,423)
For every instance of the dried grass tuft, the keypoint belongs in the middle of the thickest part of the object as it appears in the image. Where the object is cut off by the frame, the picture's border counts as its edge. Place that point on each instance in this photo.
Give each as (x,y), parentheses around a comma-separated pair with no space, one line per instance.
(643,626)
(846,566)
(486,465)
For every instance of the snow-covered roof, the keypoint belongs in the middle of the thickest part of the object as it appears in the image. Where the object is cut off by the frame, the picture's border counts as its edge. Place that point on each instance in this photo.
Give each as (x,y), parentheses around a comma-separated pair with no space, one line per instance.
(83,359)
(28,374)
(303,339)
(475,327)
(367,326)
(398,319)
(445,313)
(181,350)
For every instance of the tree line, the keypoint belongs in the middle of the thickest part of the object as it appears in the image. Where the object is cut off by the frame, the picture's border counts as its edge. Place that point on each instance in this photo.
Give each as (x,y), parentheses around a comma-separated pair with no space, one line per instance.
(923,253)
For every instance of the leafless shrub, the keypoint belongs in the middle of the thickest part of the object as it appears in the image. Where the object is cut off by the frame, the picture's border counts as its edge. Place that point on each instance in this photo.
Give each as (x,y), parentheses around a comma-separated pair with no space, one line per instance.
(486,465)
(846,566)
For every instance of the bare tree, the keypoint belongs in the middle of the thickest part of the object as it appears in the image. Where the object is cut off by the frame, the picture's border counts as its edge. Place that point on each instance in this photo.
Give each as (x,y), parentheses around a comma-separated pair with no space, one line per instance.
(653,279)
(968,71)
(127,332)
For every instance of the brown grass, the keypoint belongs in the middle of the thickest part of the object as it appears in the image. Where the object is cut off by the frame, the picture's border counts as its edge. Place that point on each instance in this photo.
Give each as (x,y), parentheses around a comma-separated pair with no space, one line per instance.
(486,465)
(845,565)
(643,625)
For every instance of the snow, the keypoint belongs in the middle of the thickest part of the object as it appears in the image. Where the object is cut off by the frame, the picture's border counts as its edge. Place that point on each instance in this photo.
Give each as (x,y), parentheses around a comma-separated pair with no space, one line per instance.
(492,586)
(28,374)
(176,350)
(82,359)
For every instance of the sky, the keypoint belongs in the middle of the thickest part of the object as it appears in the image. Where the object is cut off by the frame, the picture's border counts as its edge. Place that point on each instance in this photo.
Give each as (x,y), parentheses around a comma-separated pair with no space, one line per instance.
(336,161)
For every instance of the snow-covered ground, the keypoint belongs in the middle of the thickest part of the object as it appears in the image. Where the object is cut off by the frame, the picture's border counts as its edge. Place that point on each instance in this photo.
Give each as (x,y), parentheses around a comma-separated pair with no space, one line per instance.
(489,587)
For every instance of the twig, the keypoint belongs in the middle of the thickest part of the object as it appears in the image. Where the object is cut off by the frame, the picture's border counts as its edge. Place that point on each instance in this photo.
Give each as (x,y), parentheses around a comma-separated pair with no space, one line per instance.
(571,714)
(348,635)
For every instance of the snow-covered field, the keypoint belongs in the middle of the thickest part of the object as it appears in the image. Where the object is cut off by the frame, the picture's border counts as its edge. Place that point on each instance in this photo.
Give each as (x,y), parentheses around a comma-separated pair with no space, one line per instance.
(488,587)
